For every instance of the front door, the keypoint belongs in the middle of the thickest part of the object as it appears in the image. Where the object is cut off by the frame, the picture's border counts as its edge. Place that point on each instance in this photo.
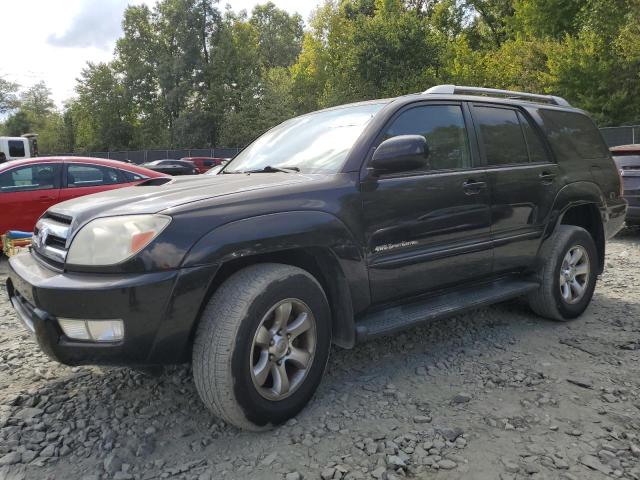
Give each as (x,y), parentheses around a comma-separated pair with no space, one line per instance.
(26,193)
(428,229)
(523,183)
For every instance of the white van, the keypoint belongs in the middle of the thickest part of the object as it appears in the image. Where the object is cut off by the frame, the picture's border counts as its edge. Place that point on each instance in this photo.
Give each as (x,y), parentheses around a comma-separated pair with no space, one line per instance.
(15,148)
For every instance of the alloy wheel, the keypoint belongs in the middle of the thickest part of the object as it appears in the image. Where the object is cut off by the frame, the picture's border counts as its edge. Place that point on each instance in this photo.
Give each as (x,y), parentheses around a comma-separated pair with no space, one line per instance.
(283,349)
(574,274)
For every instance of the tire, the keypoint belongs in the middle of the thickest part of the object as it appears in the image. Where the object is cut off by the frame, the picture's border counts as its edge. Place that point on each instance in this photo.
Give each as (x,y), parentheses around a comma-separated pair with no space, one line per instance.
(232,350)
(551,300)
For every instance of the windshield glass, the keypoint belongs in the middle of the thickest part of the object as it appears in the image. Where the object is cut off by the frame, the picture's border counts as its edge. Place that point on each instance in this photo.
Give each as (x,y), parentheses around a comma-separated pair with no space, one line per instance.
(318,142)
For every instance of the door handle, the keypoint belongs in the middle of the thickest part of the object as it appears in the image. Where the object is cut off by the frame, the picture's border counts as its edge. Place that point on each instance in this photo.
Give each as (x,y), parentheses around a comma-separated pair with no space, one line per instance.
(45,197)
(547,177)
(471,187)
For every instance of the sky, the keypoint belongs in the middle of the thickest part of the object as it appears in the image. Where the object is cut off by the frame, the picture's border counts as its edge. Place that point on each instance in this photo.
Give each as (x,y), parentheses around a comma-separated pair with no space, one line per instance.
(52,40)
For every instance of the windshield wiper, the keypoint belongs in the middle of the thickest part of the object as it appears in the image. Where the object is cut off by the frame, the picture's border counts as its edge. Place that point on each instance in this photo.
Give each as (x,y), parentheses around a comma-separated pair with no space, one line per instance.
(270,169)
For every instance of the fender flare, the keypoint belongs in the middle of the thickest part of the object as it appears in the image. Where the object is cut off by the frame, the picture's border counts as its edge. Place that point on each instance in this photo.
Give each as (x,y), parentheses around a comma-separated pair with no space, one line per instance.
(572,195)
(332,244)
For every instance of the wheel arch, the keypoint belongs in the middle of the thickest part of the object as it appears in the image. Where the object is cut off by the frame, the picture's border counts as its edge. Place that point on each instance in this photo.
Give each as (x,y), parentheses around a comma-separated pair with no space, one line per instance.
(317,242)
(581,204)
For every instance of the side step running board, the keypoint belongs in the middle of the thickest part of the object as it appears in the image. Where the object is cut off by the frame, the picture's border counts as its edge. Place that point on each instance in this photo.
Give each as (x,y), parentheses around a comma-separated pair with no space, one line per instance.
(400,317)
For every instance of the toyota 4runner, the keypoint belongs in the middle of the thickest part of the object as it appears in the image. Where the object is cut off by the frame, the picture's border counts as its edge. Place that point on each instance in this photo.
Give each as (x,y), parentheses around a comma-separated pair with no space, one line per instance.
(336,226)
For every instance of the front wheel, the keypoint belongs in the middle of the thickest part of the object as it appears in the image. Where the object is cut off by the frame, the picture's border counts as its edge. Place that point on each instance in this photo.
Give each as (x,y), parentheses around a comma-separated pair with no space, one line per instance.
(262,345)
(567,274)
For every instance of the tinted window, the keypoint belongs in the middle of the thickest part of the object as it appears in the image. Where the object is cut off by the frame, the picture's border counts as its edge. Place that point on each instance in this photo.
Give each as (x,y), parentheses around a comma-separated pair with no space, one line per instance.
(572,135)
(537,152)
(16,148)
(90,176)
(501,135)
(443,128)
(33,177)
(209,163)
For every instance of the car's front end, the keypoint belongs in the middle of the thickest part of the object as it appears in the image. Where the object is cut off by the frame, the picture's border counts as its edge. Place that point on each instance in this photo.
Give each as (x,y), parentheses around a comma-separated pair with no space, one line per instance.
(89,295)
(627,159)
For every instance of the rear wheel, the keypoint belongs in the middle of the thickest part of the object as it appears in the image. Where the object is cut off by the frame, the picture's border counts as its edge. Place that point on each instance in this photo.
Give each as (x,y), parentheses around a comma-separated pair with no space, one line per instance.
(262,345)
(567,274)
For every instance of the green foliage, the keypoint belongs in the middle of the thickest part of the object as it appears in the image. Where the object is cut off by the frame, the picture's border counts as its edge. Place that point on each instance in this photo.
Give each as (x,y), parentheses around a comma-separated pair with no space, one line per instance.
(8,98)
(17,124)
(186,74)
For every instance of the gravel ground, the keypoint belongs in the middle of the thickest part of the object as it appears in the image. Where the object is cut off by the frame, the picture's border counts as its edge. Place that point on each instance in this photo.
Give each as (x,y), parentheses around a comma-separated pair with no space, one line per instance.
(494,394)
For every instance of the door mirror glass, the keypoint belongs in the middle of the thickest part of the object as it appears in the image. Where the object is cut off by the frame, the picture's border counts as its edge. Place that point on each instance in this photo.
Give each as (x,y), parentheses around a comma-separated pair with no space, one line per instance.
(400,154)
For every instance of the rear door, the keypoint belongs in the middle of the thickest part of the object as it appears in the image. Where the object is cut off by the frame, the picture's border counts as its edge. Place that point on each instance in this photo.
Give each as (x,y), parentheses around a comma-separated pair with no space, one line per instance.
(428,229)
(83,179)
(523,181)
(26,193)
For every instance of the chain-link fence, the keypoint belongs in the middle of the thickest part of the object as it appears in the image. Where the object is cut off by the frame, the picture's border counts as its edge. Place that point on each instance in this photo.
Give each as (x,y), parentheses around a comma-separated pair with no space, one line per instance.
(143,156)
(615,136)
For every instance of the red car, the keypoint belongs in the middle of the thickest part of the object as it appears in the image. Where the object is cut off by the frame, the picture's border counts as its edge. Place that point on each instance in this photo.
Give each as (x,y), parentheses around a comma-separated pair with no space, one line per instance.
(203,164)
(28,187)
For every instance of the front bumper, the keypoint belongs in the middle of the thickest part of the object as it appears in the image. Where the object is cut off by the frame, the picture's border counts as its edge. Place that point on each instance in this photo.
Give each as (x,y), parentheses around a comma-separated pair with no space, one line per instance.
(159,311)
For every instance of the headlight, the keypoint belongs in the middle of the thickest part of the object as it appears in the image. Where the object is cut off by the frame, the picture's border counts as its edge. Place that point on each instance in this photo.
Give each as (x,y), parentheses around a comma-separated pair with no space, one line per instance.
(111,240)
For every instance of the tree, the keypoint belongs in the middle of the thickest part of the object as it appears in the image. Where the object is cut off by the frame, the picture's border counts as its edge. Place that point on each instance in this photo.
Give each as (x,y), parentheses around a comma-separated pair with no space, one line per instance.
(37,101)
(279,35)
(17,124)
(8,98)
(101,112)
(185,75)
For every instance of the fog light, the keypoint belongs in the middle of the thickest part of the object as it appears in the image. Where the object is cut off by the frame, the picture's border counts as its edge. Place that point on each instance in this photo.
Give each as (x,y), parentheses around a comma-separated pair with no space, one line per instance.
(106,330)
(76,329)
(93,330)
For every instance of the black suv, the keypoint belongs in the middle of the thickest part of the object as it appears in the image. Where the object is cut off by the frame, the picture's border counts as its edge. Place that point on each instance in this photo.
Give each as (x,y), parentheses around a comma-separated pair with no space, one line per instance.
(336,226)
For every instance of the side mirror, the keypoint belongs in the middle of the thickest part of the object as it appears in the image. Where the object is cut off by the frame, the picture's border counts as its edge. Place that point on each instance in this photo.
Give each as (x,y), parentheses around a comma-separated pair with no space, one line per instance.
(401,154)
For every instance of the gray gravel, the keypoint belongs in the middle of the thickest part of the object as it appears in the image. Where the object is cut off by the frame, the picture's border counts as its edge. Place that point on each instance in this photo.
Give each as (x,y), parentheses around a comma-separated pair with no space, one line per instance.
(494,394)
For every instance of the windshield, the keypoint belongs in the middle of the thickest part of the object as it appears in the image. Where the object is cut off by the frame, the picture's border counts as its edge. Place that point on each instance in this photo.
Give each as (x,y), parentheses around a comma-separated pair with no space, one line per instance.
(318,142)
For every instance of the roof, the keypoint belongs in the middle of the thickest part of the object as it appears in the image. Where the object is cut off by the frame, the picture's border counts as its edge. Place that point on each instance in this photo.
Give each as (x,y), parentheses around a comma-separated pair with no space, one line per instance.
(631,148)
(98,161)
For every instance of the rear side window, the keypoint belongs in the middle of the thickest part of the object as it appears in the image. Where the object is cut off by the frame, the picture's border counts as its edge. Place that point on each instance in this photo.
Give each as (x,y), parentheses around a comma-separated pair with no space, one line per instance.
(79,175)
(16,148)
(502,136)
(573,136)
(33,177)
(444,129)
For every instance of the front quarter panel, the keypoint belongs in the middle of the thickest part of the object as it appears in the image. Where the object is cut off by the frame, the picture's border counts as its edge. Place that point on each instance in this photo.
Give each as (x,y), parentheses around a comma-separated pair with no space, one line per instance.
(279,232)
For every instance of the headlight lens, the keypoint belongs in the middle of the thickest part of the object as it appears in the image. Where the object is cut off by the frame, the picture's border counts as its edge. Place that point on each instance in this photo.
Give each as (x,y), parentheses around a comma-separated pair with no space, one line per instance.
(111,240)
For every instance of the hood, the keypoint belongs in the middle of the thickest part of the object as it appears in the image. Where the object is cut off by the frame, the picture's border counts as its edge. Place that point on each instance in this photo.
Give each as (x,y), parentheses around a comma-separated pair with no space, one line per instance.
(146,199)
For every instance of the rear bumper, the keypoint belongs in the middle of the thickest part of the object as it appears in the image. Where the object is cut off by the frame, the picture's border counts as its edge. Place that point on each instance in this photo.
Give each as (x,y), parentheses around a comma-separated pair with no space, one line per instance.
(158,309)
(614,217)
(633,210)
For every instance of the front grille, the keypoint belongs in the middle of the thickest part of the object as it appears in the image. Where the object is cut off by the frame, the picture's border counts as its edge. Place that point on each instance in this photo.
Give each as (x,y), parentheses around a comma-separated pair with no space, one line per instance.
(56,242)
(50,238)
(56,217)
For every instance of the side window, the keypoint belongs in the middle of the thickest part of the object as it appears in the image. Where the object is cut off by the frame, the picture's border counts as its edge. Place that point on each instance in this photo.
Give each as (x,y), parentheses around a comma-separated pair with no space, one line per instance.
(572,135)
(33,177)
(444,129)
(537,152)
(209,163)
(79,175)
(501,135)
(128,176)
(16,148)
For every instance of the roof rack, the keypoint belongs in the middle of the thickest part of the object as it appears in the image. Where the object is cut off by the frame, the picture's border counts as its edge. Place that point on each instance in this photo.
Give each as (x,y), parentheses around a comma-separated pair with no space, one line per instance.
(494,92)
